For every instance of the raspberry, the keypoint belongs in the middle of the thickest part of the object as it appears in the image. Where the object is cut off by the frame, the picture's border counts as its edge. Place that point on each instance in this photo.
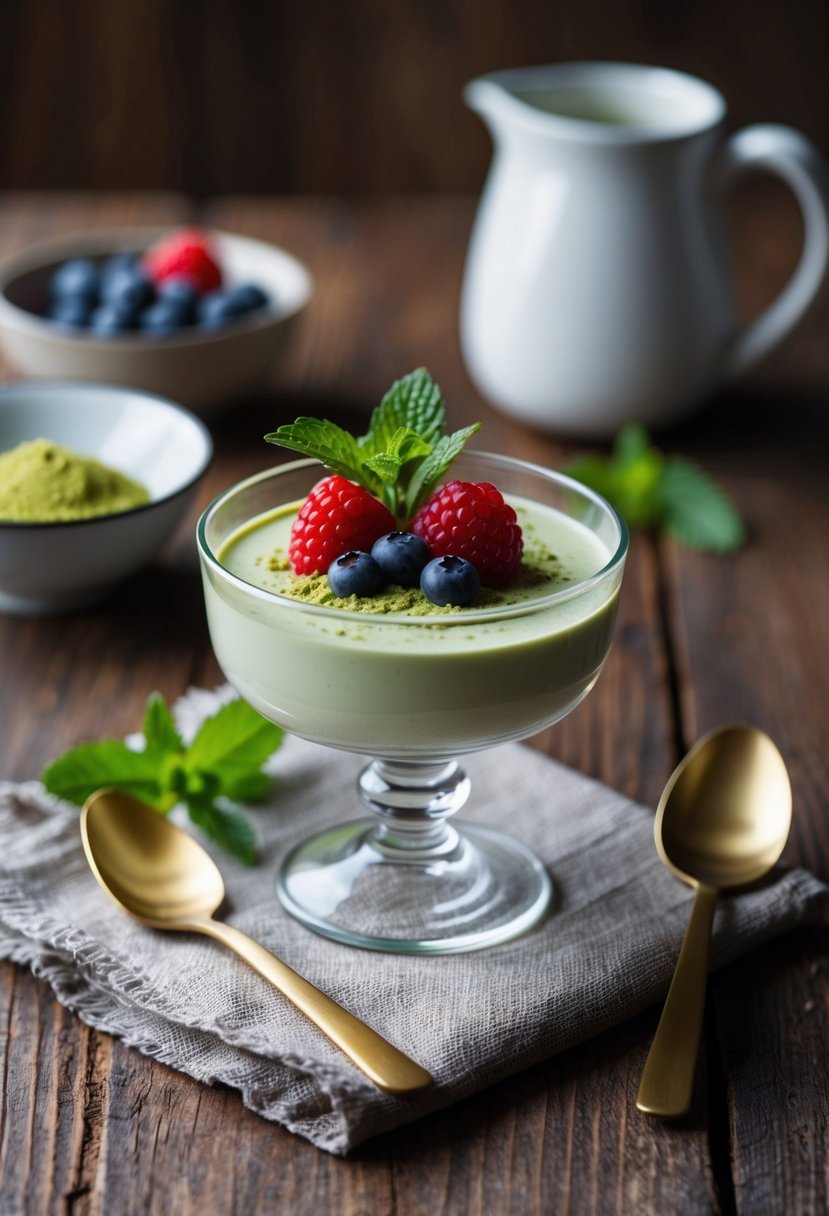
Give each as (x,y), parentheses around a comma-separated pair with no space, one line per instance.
(336,516)
(472,521)
(186,252)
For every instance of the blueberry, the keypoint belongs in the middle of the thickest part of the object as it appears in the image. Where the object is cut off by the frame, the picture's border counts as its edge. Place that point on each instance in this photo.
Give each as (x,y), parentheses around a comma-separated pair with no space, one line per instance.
(401,556)
(450,580)
(108,320)
(115,264)
(72,312)
(355,573)
(248,297)
(163,318)
(127,286)
(78,277)
(218,308)
(180,290)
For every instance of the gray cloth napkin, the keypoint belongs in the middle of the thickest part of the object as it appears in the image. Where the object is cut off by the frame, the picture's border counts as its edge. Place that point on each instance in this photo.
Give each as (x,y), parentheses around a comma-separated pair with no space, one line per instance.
(607,951)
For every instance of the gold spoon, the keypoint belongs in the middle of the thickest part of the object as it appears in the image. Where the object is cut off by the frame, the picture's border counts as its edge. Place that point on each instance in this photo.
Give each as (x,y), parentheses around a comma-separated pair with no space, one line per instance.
(162,876)
(722,821)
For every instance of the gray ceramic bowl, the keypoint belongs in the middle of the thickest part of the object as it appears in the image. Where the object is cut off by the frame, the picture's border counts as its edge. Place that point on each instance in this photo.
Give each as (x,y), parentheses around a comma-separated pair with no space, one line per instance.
(58,567)
(199,368)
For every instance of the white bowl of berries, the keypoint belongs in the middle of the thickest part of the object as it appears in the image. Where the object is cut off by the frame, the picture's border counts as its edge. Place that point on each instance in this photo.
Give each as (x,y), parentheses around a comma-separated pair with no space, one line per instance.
(192,315)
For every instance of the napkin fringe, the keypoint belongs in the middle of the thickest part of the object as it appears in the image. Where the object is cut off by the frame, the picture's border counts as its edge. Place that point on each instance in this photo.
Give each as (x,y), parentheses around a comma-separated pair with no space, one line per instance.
(106,1011)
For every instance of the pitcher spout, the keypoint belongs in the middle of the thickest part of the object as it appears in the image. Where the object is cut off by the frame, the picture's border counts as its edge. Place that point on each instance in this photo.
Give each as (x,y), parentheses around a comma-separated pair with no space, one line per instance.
(490,100)
(509,101)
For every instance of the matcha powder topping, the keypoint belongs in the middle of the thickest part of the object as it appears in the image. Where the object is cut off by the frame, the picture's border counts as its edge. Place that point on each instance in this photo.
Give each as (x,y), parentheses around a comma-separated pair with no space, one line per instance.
(41,482)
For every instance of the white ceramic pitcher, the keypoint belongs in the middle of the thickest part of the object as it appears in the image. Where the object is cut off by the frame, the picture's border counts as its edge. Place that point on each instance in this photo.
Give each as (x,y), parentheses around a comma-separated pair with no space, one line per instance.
(597,287)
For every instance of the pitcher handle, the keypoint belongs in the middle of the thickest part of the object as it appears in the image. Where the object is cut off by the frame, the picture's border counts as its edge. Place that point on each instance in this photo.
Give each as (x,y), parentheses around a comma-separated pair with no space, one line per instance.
(787,153)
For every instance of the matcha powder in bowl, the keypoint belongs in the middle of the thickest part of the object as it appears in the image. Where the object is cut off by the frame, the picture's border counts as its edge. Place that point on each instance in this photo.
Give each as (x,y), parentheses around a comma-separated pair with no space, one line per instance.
(42,482)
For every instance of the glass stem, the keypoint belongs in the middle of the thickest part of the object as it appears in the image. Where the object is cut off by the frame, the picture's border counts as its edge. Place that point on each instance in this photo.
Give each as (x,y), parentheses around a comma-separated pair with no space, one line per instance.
(413,800)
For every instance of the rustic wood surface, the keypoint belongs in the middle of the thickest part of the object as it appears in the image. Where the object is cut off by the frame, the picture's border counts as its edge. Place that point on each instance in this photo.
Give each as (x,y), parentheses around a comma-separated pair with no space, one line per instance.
(90,1126)
(362,97)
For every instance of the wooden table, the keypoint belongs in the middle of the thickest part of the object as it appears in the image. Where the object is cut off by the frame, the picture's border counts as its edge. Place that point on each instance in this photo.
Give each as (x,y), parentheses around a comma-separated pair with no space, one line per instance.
(91,1126)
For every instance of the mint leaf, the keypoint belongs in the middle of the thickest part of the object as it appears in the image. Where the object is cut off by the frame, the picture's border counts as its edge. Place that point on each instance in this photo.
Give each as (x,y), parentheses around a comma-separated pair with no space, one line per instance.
(415,403)
(233,743)
(595,473)
(223,761)
(635,490)
(434,466)
(667,493)
(252,787)
(405,445)
(632,489)
(228,826)
(635,474)
(386,466)
(631,443)
(696,511)
(323,440)
(159,729)
(77,774)
(401,456)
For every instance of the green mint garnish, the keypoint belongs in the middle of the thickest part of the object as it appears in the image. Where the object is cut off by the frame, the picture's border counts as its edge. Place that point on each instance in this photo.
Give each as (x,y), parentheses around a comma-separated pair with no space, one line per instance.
(221,768)
(402,455)
(662,493)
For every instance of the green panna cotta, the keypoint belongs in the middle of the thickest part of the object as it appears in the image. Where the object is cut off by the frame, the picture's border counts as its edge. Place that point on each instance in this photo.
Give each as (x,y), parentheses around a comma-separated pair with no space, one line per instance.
(394,674)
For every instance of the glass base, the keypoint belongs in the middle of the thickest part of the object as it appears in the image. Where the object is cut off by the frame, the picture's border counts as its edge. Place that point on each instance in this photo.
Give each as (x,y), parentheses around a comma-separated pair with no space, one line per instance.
(354,884)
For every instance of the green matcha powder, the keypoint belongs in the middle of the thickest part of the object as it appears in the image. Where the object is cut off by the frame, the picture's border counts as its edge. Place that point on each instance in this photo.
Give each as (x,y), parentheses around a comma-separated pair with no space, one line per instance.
(314,589)
(41,482)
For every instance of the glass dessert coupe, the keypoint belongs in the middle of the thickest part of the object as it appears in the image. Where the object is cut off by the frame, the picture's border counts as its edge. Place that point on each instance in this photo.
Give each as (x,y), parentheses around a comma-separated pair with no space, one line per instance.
(416,692)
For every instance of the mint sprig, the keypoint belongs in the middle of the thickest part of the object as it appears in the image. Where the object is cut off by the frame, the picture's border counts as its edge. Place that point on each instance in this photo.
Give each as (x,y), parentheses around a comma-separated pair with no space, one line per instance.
(662,493)
(221,768)
(402,455)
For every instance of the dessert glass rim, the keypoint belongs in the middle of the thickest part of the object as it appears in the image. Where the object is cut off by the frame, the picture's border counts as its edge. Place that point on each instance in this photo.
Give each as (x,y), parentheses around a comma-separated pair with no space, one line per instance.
(460,617)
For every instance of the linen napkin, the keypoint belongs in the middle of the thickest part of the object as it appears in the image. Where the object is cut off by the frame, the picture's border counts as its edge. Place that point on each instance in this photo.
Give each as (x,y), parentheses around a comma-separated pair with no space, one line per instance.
(607,951)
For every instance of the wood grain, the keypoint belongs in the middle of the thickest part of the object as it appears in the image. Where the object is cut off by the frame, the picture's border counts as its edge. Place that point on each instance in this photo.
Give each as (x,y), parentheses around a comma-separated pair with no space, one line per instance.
(751,645)
(90,1126)
(352,98)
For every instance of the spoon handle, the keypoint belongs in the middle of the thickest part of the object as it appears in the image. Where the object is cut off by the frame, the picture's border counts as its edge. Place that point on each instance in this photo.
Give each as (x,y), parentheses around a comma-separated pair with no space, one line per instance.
(387,1067)
(668,1077)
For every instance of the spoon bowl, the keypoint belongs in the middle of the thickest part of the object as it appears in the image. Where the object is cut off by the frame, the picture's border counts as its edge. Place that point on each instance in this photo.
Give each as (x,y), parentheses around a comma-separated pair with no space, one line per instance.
(163,877)
(725,813)
(722,822)
(151,868)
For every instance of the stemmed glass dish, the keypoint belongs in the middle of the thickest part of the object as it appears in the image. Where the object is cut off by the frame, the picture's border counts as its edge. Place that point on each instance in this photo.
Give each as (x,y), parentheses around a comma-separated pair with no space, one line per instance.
(415,692)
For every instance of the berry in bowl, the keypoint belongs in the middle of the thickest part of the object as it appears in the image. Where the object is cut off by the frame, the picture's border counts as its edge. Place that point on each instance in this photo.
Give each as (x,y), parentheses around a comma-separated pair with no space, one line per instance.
(177,284)
(193,315)
(385,609)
